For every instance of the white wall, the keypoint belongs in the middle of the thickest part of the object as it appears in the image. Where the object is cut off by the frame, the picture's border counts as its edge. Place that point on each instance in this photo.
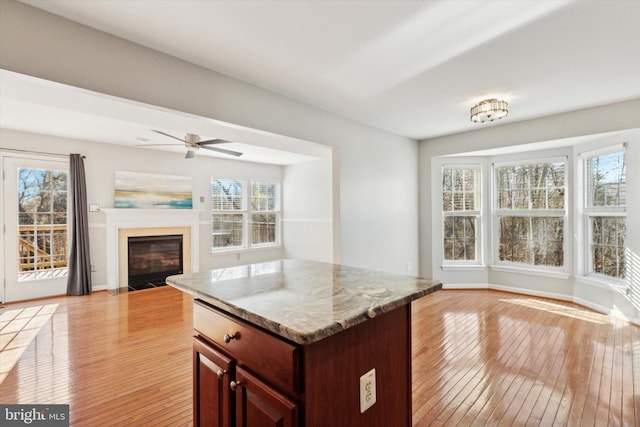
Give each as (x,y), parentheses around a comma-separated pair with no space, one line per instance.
(378,171)
(307,216)
(102,160)
(578,131)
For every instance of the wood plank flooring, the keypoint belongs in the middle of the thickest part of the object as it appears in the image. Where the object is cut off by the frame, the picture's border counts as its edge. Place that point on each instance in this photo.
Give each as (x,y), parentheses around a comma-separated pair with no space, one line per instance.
(493,358)
(479,358)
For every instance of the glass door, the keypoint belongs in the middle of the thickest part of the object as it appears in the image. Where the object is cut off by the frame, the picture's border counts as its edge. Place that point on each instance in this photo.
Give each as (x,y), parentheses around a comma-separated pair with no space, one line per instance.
(36,234)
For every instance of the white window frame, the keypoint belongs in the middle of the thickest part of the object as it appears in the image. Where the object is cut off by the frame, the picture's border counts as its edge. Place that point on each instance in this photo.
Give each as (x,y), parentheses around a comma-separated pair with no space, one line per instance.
(242,211)
(477,213)
(275,211)
(588,212)
(247,214)
(497,213)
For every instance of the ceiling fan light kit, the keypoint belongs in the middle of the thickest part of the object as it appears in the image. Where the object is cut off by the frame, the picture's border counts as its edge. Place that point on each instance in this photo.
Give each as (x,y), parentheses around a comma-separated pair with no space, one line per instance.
(489,110)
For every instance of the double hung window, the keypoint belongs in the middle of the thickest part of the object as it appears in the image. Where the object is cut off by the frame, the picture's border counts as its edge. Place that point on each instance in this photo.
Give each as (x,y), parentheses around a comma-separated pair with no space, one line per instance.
(605,212)
(265,207)
(461,212)
(530,213)
(244,214)
(228,213)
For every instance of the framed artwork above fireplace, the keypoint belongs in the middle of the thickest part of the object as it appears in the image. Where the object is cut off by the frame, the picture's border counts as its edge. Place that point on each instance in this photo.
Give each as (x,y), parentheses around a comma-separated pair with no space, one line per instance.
(136,190)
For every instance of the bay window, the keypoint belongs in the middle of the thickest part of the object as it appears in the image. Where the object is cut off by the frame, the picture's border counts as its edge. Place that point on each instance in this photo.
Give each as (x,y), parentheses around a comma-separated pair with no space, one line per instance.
(461,211)
(605,212)
(530,213)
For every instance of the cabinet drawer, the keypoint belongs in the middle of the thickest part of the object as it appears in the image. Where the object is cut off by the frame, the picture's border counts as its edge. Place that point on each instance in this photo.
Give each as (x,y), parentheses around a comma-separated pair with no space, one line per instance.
(271,358)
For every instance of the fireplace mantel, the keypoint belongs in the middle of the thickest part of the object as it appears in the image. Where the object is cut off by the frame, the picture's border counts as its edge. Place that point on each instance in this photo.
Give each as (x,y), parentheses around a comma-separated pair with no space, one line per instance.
(123,219)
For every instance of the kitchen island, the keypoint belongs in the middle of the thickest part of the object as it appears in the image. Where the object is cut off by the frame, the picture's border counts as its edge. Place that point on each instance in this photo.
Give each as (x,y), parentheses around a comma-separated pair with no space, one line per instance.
(302,343)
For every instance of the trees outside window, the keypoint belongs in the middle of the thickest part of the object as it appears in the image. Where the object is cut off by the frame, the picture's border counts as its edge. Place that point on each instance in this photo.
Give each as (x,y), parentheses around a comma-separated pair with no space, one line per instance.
(461,210)
(530,213)
(42,223)
(605,211)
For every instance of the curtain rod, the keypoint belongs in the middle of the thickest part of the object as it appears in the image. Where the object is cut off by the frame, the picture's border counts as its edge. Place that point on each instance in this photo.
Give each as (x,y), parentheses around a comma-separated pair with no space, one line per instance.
(16,150)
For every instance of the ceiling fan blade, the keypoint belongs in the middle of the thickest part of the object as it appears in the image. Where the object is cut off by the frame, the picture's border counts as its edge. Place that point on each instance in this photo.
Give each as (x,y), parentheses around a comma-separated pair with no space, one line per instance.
(156,145)
(222,150)
(166,134)
(214,141)
(190,154)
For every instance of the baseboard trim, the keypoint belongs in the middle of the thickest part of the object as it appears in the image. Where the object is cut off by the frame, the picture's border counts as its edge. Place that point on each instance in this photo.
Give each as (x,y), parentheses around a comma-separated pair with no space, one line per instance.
(541,294)
(560,297)
(465,286)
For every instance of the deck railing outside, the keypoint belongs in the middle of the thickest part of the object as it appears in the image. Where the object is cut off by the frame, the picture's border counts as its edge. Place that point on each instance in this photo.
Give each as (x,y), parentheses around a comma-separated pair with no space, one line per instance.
(41,248)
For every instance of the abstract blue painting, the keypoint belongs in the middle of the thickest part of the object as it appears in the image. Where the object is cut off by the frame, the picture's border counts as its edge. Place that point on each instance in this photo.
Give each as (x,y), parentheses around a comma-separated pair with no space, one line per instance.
(135,190)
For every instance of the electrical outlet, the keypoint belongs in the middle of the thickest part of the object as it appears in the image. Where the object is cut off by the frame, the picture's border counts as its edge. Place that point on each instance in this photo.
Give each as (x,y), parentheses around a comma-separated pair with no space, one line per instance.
(93,267)
(367,390)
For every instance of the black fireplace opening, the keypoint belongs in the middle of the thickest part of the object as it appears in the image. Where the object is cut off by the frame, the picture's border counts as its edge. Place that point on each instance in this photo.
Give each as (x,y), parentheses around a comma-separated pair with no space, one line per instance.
(151,259)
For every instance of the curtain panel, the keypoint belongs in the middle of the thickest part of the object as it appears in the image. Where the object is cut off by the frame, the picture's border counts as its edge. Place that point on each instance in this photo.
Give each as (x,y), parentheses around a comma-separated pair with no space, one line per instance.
(79,279)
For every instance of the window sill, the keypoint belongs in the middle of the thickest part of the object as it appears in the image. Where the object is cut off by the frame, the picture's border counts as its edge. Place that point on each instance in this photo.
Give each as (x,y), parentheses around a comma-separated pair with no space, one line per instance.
(531,271)
(467,267)
(243,250)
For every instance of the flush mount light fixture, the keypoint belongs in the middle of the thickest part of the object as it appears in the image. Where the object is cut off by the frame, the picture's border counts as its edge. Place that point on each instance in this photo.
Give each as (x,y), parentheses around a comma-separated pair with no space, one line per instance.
(489,110)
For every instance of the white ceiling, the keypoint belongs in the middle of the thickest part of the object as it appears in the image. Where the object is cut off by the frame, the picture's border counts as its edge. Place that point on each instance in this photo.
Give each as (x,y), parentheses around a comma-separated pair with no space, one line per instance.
(413,68)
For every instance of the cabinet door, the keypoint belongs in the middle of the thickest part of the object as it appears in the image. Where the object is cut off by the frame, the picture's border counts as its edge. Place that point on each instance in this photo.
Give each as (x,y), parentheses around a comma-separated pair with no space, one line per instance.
(212,400)
(258,405)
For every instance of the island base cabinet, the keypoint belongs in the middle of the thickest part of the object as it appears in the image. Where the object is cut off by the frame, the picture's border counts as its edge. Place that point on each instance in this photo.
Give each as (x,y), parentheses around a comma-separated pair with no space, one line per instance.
(213,402)
(333,367)
(312,385)
(258,405)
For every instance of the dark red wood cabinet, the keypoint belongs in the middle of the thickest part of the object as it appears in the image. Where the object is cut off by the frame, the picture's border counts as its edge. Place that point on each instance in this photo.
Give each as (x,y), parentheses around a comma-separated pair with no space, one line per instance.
(245,376)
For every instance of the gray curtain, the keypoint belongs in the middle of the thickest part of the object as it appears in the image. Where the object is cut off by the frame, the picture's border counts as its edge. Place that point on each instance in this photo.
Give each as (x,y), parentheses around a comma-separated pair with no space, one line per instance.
(79,279)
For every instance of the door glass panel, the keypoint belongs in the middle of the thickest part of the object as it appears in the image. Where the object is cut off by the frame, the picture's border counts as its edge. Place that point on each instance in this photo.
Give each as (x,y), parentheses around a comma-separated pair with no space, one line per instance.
(42,224)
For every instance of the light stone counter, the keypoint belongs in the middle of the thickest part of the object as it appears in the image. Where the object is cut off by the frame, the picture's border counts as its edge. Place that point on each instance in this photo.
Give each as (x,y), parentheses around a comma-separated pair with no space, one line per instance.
(303,301)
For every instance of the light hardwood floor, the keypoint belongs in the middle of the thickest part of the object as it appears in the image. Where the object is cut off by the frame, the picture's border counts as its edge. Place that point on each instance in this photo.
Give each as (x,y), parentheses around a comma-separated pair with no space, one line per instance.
(479,358)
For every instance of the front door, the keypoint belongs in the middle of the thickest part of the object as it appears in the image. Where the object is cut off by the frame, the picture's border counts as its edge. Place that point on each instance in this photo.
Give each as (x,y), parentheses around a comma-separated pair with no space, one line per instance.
(35,243)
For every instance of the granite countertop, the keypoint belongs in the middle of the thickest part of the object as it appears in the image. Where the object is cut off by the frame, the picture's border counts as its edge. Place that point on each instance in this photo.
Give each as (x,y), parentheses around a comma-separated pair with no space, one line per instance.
(303,301)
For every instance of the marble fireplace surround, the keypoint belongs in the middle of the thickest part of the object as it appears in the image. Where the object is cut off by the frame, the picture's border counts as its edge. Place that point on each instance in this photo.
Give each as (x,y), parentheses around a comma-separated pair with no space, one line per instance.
(122,223)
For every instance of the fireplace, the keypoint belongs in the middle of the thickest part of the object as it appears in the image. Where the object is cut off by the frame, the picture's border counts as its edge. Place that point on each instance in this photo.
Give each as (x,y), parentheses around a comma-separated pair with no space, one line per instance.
(125,223)
(152,258)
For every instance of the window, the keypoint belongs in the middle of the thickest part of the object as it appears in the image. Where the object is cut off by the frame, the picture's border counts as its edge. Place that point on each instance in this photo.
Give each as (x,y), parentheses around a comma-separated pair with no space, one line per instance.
(265,206)
(604,208)
(461,210)
(228,213)
(530,213)
(235,210)
(42,224)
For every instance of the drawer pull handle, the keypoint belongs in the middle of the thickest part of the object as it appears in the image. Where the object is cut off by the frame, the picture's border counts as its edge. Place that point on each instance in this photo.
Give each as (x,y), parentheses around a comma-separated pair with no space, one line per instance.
(227,338)
(233,385)
(221,373)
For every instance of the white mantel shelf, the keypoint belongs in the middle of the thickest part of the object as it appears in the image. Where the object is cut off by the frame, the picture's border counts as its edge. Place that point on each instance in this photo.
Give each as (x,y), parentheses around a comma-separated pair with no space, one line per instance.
(117,219)
(127,212)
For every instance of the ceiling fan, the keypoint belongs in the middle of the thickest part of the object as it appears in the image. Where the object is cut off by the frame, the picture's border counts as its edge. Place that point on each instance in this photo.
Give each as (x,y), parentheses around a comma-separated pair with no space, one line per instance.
(193,143)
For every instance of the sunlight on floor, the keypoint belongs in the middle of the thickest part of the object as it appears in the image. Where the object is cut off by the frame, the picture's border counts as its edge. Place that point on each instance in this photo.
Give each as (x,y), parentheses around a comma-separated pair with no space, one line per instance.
(18,328)
(563,310)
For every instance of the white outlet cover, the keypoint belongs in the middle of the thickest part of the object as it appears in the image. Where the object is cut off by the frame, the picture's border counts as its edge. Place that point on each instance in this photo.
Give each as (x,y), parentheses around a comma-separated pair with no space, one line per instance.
(367,390)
